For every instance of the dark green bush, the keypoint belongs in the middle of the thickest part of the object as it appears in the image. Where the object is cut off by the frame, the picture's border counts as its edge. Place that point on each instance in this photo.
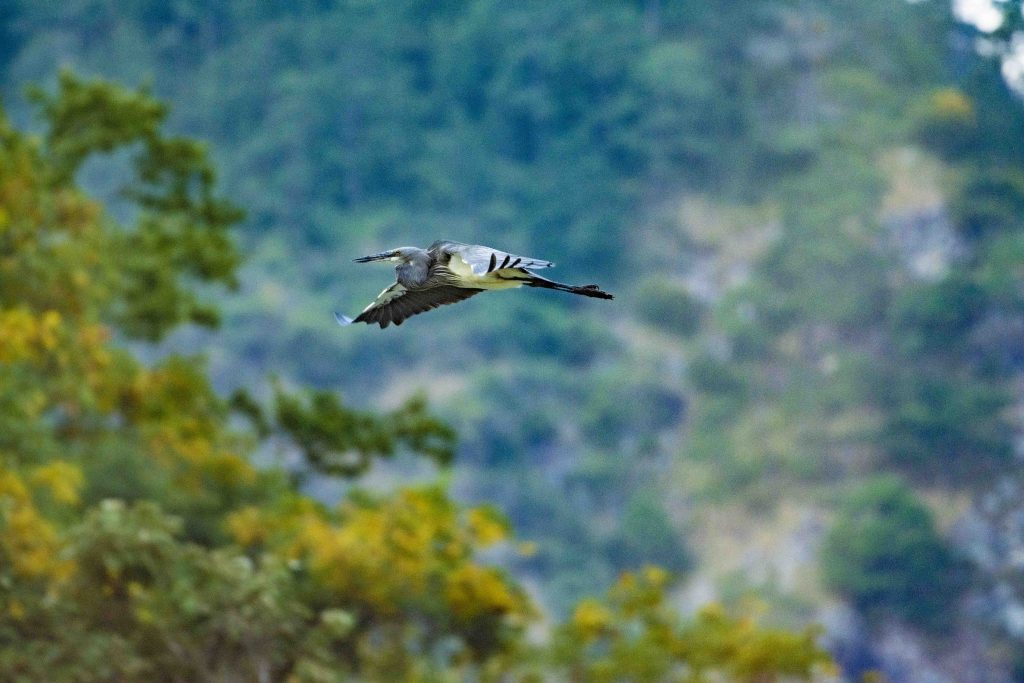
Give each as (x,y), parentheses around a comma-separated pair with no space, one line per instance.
(647,536)
(885,556)
(669,306)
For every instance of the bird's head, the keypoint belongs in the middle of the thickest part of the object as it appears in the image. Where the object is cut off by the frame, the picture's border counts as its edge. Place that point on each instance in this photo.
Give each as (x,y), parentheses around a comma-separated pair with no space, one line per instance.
(403,254)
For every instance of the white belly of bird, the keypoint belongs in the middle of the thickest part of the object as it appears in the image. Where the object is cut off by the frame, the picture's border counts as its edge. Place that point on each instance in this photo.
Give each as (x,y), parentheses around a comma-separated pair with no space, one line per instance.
(492,280)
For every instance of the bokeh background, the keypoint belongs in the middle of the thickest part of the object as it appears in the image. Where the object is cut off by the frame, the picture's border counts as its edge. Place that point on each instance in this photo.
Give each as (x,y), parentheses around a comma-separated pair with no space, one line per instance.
(804,402)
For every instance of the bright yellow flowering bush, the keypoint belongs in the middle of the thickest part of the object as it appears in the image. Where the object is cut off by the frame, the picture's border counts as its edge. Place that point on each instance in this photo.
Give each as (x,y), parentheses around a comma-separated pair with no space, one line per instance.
(62,479)
(408,557)
(29,542)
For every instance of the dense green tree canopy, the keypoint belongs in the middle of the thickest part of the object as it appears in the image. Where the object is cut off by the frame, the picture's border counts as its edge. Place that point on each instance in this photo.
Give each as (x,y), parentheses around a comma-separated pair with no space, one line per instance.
(884,553)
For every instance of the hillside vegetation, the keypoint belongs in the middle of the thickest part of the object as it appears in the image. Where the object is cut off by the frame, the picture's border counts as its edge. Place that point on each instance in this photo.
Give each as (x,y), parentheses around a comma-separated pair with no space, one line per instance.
(805,394)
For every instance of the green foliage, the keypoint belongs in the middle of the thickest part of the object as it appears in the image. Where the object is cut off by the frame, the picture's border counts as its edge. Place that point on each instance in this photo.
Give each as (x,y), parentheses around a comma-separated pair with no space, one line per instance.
(647,537)
(831,355)
(669,306)
(622,406)
(180,236)
(934,320)
(947,429)
(999,269)
(991,202)
(948,409)
(339,441)
(142,605)
(634,635)
(835,279)
(714,376)
(884,554)
(569,552)
(946,122)
(557,333)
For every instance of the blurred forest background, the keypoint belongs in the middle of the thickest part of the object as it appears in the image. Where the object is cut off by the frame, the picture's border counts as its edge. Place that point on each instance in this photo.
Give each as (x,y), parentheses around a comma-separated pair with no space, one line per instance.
(796,427)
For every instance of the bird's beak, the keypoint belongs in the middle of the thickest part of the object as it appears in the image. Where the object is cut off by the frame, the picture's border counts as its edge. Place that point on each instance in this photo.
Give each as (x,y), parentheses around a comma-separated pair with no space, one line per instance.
(382,256)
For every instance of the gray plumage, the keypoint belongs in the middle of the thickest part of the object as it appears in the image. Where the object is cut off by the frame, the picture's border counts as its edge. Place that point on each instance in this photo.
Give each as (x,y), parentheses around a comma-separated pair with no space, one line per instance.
(448,272)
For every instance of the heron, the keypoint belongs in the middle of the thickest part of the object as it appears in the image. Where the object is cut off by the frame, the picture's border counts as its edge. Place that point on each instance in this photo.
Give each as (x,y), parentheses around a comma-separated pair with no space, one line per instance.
(447,272)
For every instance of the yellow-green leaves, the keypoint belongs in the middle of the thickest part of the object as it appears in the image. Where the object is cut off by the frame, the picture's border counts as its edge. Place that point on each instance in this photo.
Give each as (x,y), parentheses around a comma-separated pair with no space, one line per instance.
(637,634)
(180,231)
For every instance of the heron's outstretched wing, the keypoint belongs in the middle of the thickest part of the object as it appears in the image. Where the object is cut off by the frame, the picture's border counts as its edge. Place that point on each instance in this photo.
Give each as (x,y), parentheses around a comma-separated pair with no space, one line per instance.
(485,260)
(396,303)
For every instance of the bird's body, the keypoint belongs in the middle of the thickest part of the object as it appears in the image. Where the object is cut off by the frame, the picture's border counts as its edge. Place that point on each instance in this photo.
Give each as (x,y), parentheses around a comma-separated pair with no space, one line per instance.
(447,272)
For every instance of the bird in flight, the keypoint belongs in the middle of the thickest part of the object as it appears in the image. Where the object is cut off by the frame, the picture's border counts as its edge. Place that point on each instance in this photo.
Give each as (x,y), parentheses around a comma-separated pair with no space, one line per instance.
(448,272)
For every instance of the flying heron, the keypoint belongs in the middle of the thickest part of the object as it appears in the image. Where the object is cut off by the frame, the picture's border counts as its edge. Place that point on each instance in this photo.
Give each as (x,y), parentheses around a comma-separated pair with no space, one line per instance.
(448,272)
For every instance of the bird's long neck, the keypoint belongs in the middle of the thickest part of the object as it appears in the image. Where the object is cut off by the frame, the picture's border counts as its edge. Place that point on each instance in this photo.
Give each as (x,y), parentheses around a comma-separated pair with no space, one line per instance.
(414,272)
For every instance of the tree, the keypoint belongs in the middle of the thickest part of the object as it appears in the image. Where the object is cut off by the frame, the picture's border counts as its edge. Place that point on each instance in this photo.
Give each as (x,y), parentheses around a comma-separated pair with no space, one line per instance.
(124,489)
(884,555)
(180,234)
(634,635)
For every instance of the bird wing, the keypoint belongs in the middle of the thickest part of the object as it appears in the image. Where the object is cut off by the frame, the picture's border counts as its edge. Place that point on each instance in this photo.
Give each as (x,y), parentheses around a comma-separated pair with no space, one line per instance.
(483,260)
(396,303)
